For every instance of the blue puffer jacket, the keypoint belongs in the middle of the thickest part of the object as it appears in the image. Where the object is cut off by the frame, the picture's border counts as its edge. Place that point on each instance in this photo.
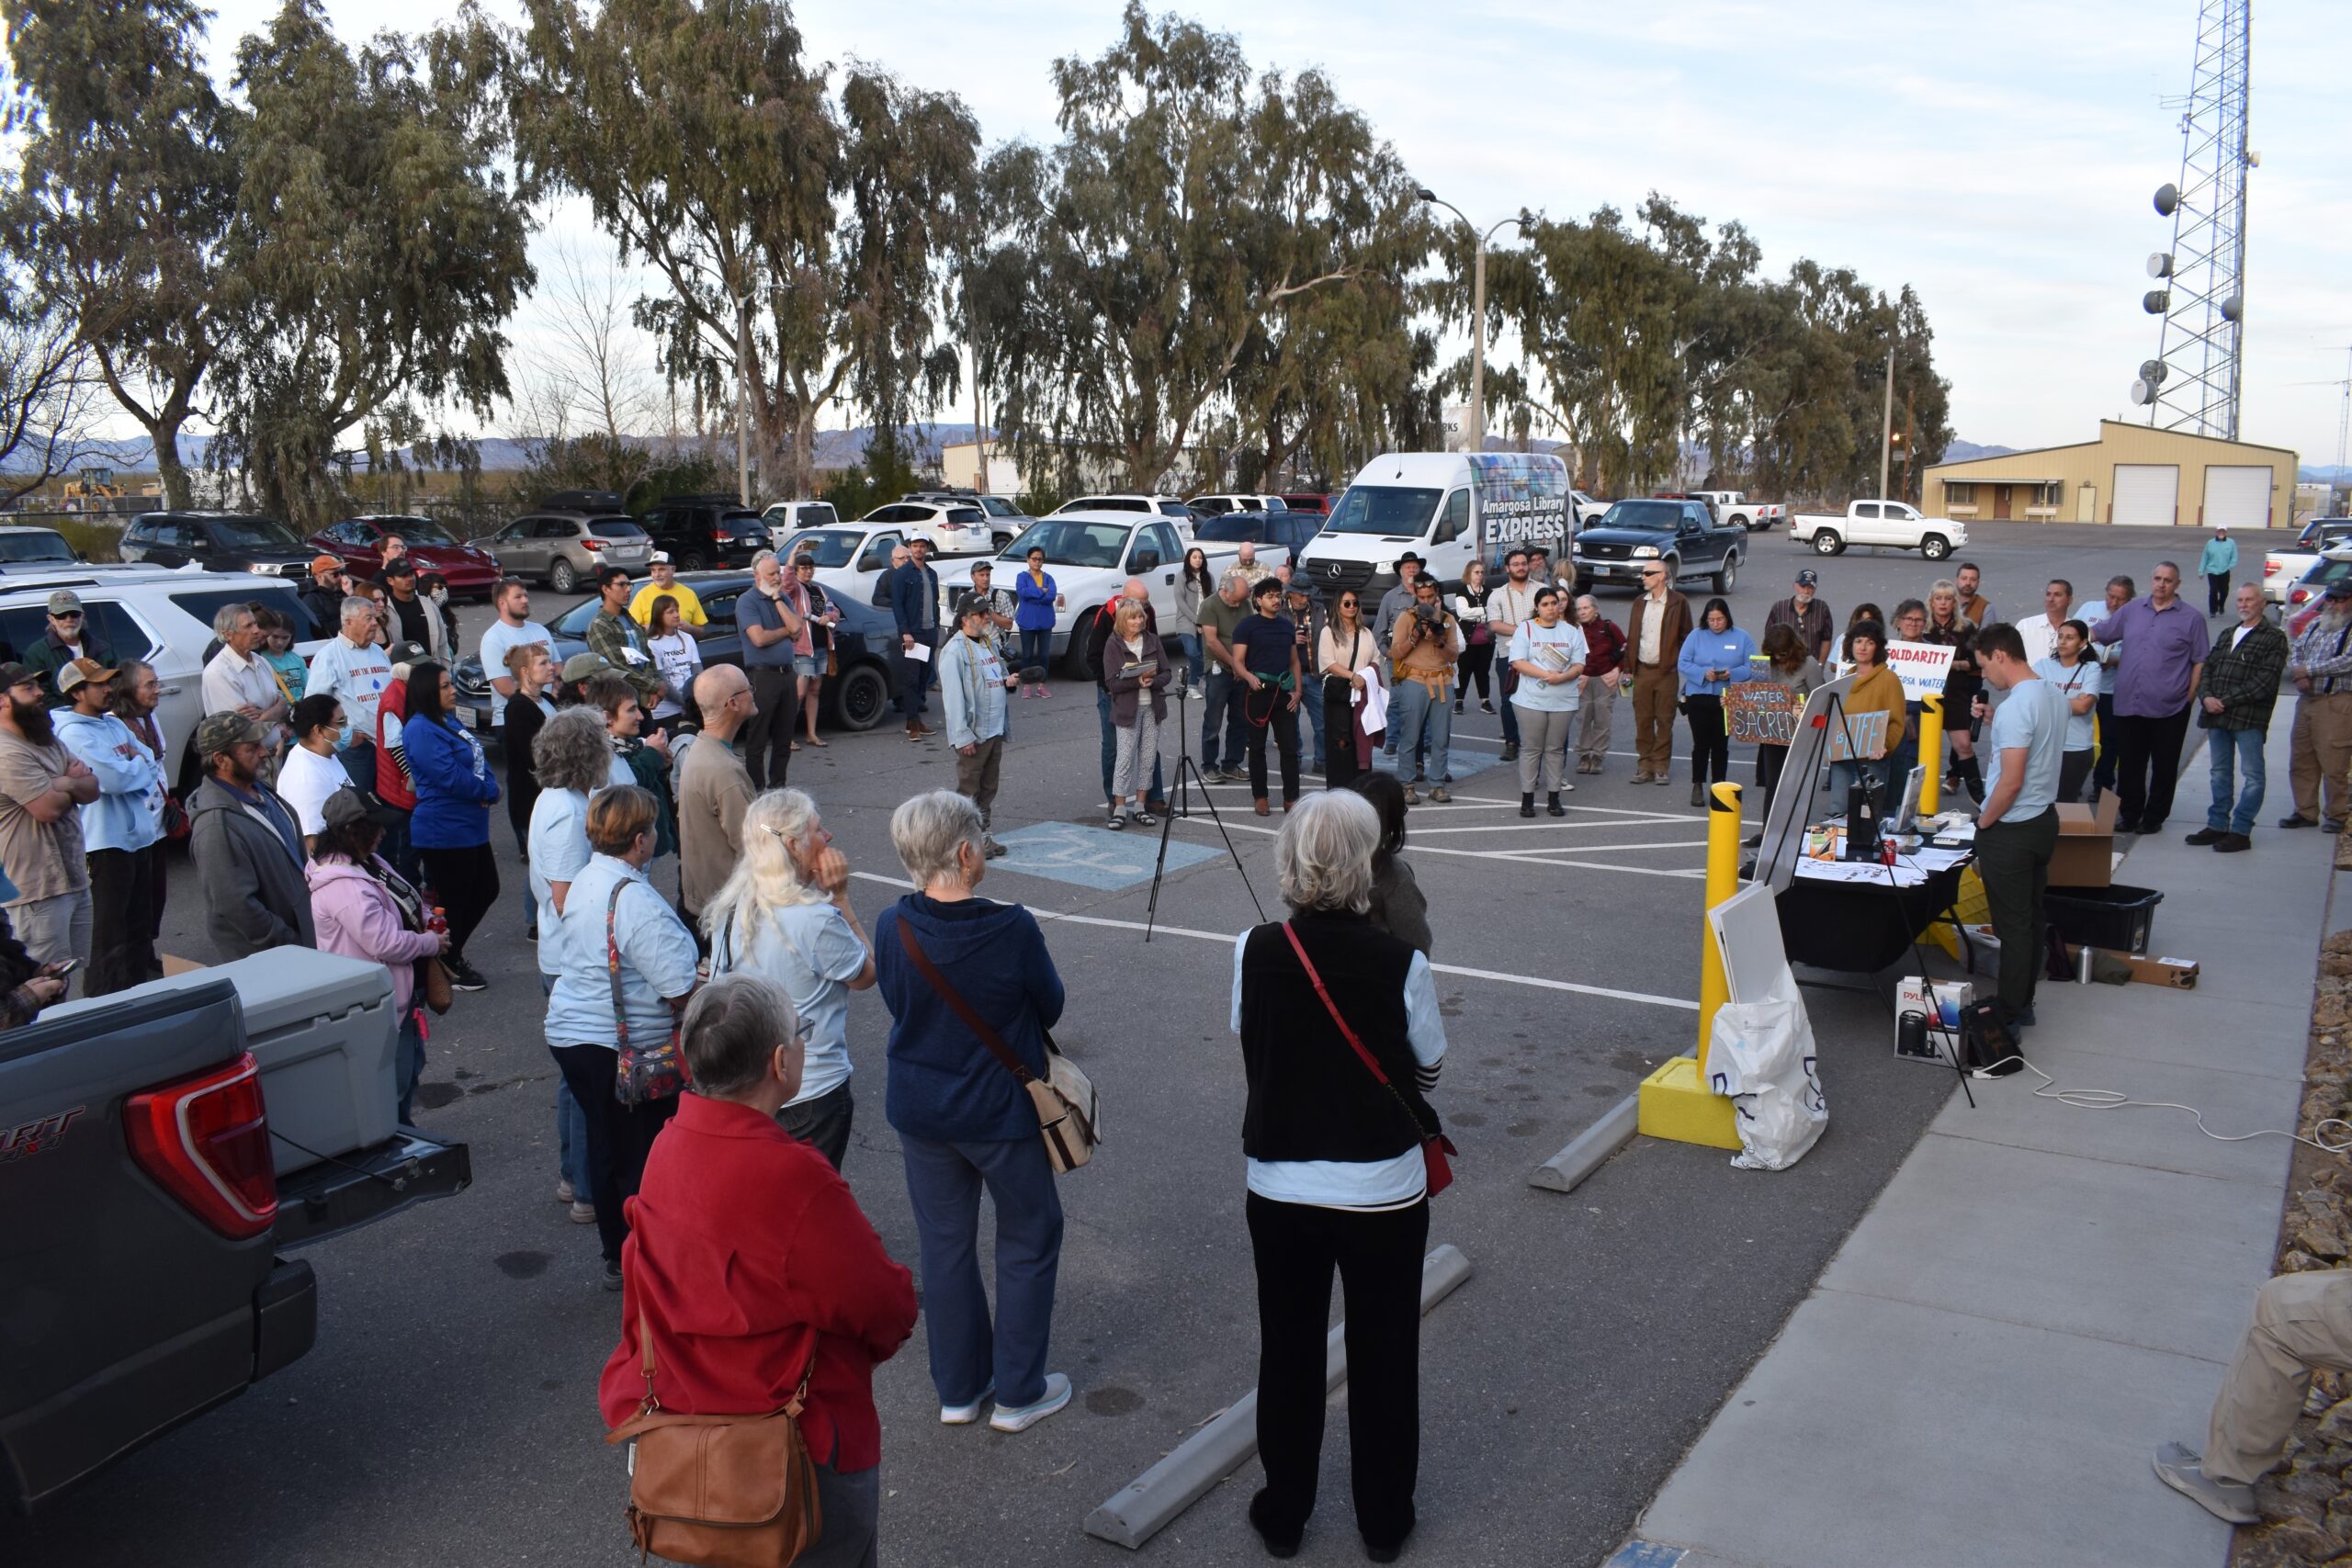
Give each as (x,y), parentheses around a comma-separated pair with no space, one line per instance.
(944,1084)
(453,785)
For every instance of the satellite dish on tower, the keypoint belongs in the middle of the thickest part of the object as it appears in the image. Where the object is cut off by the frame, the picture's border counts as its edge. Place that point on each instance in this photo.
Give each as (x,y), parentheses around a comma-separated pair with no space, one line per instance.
(2232,307)
(2151,371)
(2167,200)
(2154,301)
(2143,394)
(2159,264)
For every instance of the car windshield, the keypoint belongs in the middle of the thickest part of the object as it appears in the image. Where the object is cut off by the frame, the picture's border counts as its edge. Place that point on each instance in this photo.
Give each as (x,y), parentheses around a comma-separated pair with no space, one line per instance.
(1384,509)
(34,544)
(615,528)
(1655,515)
(254,533)
(832,547)
(416,530)
(1071,543)
(997,506)
(574,621)
(1233,525)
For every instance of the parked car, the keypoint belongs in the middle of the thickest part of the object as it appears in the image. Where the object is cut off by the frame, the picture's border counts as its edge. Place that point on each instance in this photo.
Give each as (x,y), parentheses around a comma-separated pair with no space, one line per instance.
(703,531)
(784,517)
(954,528)
(1307,501)
(217,541)
(1683,534)
(1449,508)
(852,558)
(1090,555)
(1292,530)
(160,1149)
(1005,517)
(2283,569)
(162,617)
(1219,505)
(1587,509)
(857,696)
(563,549)
(1733,507)
(470,569)
(1166,505)
(1883,525)
(2325,568)
(23,546)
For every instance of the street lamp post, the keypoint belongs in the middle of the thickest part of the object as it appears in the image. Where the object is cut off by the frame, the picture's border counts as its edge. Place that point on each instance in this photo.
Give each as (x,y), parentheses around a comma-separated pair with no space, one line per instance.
(1478,316)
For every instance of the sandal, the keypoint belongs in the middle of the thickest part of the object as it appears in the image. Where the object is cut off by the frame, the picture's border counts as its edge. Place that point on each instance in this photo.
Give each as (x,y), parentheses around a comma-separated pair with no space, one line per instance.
(1143,820)
(1118,820)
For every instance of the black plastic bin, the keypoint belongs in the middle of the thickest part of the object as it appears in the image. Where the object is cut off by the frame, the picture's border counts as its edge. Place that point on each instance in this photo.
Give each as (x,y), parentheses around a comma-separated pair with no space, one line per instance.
(2119,917)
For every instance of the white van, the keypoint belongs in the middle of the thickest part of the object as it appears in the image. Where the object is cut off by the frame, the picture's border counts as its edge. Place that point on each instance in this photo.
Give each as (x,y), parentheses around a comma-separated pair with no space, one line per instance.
(1449,508)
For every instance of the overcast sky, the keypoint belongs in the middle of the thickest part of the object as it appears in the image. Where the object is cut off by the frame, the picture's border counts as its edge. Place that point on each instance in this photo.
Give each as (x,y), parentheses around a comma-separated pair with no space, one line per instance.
(1999,155)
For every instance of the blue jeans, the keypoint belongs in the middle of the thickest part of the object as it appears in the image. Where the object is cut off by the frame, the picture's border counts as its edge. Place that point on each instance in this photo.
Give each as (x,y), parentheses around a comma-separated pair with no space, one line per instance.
(530,899)
(2243,747)
(1221,710)
(1111,748)
(1420,719)
(1312,706)
(1036,647)
(1190,644)
(408,1063)
(970,1355)
(570,1127)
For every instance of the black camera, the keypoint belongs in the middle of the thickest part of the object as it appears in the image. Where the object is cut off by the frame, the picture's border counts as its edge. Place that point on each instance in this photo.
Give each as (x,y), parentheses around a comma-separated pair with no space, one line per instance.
(1428,614)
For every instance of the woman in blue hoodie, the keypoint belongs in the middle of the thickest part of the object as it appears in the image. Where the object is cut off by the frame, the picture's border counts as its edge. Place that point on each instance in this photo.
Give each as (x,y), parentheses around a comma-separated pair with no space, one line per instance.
(964,1122)
(450,827)
(1715,655)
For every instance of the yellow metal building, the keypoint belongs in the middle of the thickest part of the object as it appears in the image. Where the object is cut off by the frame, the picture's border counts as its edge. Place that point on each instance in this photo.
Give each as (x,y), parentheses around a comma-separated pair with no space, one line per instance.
(2130,474)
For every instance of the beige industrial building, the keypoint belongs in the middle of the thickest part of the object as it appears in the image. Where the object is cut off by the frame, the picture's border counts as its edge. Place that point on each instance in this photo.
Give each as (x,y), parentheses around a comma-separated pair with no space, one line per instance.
(2130,474)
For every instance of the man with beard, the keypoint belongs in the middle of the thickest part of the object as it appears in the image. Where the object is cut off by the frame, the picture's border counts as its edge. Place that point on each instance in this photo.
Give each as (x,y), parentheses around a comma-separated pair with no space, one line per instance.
(246,844)
(118,830)
(68,637)
(41,785)
(2322,747)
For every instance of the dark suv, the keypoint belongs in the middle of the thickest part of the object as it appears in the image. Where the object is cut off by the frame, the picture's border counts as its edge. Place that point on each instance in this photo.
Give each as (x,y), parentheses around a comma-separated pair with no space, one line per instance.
(218,541)
(701,532)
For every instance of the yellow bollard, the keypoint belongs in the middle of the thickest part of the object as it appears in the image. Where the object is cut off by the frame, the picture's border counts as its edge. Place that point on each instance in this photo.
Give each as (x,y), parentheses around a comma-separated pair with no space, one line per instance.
(1931,756)
(1675,1102)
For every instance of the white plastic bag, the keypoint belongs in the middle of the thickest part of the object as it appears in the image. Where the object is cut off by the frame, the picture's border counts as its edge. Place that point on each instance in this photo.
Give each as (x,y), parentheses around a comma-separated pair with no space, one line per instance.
(1761,1054)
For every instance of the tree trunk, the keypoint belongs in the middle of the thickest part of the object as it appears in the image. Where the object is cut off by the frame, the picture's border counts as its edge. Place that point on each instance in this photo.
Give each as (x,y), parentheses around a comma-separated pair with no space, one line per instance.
(164,433)
(804,454)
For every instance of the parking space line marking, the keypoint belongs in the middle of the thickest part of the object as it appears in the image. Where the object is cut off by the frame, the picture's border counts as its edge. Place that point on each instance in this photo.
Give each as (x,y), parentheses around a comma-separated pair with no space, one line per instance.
(1524,859)
(1544,826)
(1537,981)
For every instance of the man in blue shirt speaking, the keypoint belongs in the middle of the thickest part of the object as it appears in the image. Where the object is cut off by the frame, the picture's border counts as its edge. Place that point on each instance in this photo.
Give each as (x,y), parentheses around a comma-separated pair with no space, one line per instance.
(2017,828)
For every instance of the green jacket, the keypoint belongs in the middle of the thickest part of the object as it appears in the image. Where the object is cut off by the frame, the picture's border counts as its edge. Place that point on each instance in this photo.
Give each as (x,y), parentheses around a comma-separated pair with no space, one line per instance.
(47,656)
(611,637)
(2245,678)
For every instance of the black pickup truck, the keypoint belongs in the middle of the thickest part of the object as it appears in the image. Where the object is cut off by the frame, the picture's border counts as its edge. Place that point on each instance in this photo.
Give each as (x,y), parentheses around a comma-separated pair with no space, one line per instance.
(1683,534)
(157,1161)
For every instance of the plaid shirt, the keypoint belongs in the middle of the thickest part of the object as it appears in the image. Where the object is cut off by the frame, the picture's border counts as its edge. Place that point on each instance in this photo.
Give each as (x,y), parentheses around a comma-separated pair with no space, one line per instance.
(2323,653)
(2245,677)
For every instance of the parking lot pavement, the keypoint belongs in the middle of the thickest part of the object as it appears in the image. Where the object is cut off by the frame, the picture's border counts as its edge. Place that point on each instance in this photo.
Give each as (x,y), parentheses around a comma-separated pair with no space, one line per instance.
(447,1415)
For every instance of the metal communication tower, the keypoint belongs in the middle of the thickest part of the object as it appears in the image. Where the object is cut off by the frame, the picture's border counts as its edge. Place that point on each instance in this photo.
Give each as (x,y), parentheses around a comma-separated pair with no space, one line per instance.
(2192,383)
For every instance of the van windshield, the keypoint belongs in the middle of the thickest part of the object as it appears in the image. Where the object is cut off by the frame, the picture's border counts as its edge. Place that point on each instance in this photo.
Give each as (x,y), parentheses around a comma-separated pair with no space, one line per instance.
(1384,509)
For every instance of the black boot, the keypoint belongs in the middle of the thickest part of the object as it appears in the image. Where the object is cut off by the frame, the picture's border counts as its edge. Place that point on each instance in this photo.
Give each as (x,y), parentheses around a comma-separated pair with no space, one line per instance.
(1972,780)
(1527,804)
(1551,805)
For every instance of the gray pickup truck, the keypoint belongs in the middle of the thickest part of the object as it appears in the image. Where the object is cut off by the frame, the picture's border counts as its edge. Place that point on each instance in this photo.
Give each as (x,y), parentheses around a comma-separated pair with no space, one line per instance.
(160,1151)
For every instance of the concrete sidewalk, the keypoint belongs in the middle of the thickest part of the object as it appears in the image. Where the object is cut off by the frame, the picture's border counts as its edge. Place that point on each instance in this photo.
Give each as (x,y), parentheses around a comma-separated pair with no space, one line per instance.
(2043,1293)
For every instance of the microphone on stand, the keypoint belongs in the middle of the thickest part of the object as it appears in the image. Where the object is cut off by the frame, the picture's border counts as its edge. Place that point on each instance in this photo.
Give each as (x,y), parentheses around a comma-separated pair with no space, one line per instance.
(1033,676)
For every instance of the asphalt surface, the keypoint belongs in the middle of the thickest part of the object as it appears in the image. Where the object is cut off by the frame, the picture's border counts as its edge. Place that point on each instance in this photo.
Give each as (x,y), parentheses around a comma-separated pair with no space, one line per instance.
(447,1413)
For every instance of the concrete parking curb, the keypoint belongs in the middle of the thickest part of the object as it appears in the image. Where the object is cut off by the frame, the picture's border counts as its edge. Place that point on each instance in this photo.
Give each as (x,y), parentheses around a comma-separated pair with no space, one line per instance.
(1146,1504)
(1566,1172)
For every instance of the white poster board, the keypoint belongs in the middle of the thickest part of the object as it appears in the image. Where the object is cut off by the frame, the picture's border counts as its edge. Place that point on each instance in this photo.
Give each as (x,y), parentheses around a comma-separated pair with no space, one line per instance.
(1922,667)
(1798,799)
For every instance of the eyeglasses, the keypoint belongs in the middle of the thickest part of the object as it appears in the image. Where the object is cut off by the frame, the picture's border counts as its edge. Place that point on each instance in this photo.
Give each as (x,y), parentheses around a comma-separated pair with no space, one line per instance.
(67,615)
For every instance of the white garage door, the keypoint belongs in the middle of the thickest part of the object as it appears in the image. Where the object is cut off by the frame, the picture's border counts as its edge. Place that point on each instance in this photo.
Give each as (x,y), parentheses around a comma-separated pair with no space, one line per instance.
(2239,497)
(2147,492)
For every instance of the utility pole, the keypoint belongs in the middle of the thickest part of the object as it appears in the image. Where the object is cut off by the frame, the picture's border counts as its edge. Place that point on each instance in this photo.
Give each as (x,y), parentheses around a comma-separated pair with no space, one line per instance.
(1886,435)
(1478,432)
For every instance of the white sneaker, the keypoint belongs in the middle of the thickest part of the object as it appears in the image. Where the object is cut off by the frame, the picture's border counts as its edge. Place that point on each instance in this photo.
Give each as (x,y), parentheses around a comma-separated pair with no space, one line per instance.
(583,1214)
(563,1192)
(964,1415)
(1009,1419)
(2229,1501)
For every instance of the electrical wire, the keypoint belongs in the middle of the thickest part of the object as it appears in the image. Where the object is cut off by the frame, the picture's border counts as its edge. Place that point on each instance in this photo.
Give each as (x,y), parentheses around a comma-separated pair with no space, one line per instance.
(2116,1100)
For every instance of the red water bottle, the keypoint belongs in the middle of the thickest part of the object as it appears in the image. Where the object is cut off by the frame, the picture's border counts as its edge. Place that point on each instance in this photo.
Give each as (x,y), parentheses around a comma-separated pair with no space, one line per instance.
(438,922)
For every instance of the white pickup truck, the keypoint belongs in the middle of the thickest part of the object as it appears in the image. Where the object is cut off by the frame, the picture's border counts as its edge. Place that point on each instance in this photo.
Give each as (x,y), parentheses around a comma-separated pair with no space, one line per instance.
(1883,525)
(1089,556)
(1733,507)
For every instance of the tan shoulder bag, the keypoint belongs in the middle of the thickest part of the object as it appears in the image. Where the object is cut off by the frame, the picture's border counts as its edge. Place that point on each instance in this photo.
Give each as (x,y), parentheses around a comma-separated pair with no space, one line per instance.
(719,1491)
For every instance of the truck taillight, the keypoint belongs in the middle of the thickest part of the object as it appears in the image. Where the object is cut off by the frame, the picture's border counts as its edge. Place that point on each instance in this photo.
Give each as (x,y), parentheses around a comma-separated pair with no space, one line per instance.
(206,1139)
(2269,569)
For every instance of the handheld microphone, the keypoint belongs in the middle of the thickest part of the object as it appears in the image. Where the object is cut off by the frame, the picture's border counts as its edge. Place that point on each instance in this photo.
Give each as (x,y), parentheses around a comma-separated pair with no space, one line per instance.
(1033,676)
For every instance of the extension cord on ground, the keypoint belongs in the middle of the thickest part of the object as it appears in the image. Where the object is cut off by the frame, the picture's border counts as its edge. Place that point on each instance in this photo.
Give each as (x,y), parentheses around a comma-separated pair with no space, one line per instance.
(2115,1099)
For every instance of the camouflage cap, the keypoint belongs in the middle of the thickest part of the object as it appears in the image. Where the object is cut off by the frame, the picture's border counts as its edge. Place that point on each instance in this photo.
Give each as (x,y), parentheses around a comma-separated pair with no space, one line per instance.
(218,732)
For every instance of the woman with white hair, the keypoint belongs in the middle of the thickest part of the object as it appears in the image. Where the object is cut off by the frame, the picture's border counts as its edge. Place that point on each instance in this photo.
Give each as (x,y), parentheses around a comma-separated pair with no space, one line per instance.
(964,1121)
(1138,703)
(784,914)
(1341,1039)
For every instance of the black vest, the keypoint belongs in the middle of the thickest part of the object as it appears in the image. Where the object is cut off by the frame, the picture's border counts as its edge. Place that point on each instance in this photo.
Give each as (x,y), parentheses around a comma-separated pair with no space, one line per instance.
(1310,1095)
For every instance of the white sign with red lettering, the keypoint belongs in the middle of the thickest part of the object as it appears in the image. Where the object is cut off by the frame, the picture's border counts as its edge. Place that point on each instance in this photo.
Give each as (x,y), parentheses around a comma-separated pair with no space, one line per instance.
(1922,667)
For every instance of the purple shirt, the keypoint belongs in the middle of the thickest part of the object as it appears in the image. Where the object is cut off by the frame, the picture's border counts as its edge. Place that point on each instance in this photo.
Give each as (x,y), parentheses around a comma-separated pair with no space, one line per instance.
(2160,647)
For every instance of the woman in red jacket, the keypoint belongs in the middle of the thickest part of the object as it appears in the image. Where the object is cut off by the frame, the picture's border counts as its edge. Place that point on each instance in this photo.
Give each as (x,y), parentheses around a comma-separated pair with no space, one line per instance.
(747,1256)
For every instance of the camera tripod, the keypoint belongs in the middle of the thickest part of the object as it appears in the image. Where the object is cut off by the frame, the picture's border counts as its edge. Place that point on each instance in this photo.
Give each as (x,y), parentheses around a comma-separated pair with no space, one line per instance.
(1188,773)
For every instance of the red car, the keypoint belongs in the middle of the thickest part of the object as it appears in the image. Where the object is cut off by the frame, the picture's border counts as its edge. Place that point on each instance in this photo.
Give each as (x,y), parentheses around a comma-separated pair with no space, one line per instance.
(1308,500)
(470,569)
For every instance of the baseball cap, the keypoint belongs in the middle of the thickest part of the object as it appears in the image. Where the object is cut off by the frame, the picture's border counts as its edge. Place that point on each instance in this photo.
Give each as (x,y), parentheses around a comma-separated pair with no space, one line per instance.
(1808,578)
(659,558)
(326,563)
(970,604)
(2340,589)
(14,674)
(398,565)
(343,807)
(581,666)
(219,732)
(65,601)
(407,652)
(78,671)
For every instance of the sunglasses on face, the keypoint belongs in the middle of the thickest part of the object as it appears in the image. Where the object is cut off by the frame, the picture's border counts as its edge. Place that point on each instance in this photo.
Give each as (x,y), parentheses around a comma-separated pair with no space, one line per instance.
(67,615)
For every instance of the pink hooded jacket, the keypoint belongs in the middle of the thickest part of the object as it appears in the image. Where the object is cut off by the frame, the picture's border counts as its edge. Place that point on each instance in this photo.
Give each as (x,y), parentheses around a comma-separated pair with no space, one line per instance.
(357,919)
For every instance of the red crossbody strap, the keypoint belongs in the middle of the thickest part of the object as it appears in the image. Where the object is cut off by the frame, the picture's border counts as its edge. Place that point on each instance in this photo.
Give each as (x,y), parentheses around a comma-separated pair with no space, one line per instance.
(1369,1060)
(962,1009)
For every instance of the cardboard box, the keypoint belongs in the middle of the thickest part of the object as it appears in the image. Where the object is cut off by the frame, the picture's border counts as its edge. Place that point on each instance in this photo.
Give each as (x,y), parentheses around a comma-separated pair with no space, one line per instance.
(2086,853)
(1943,1010)
(178,965)
(2179,974)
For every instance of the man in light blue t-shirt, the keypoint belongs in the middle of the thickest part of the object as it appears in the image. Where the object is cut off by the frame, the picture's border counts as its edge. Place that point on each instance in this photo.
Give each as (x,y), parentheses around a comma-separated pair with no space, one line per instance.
(2017,828)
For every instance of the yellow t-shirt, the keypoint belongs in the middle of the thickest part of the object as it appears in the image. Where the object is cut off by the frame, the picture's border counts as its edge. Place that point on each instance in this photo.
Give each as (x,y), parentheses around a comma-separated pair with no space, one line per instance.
(640,607)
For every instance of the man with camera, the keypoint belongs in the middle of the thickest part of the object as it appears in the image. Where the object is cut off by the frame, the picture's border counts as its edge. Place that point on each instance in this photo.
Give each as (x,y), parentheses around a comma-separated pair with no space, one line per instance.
(1424,646)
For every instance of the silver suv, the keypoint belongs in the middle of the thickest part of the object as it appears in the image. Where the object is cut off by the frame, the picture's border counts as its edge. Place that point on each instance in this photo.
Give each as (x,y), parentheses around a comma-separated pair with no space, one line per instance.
(563,549)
